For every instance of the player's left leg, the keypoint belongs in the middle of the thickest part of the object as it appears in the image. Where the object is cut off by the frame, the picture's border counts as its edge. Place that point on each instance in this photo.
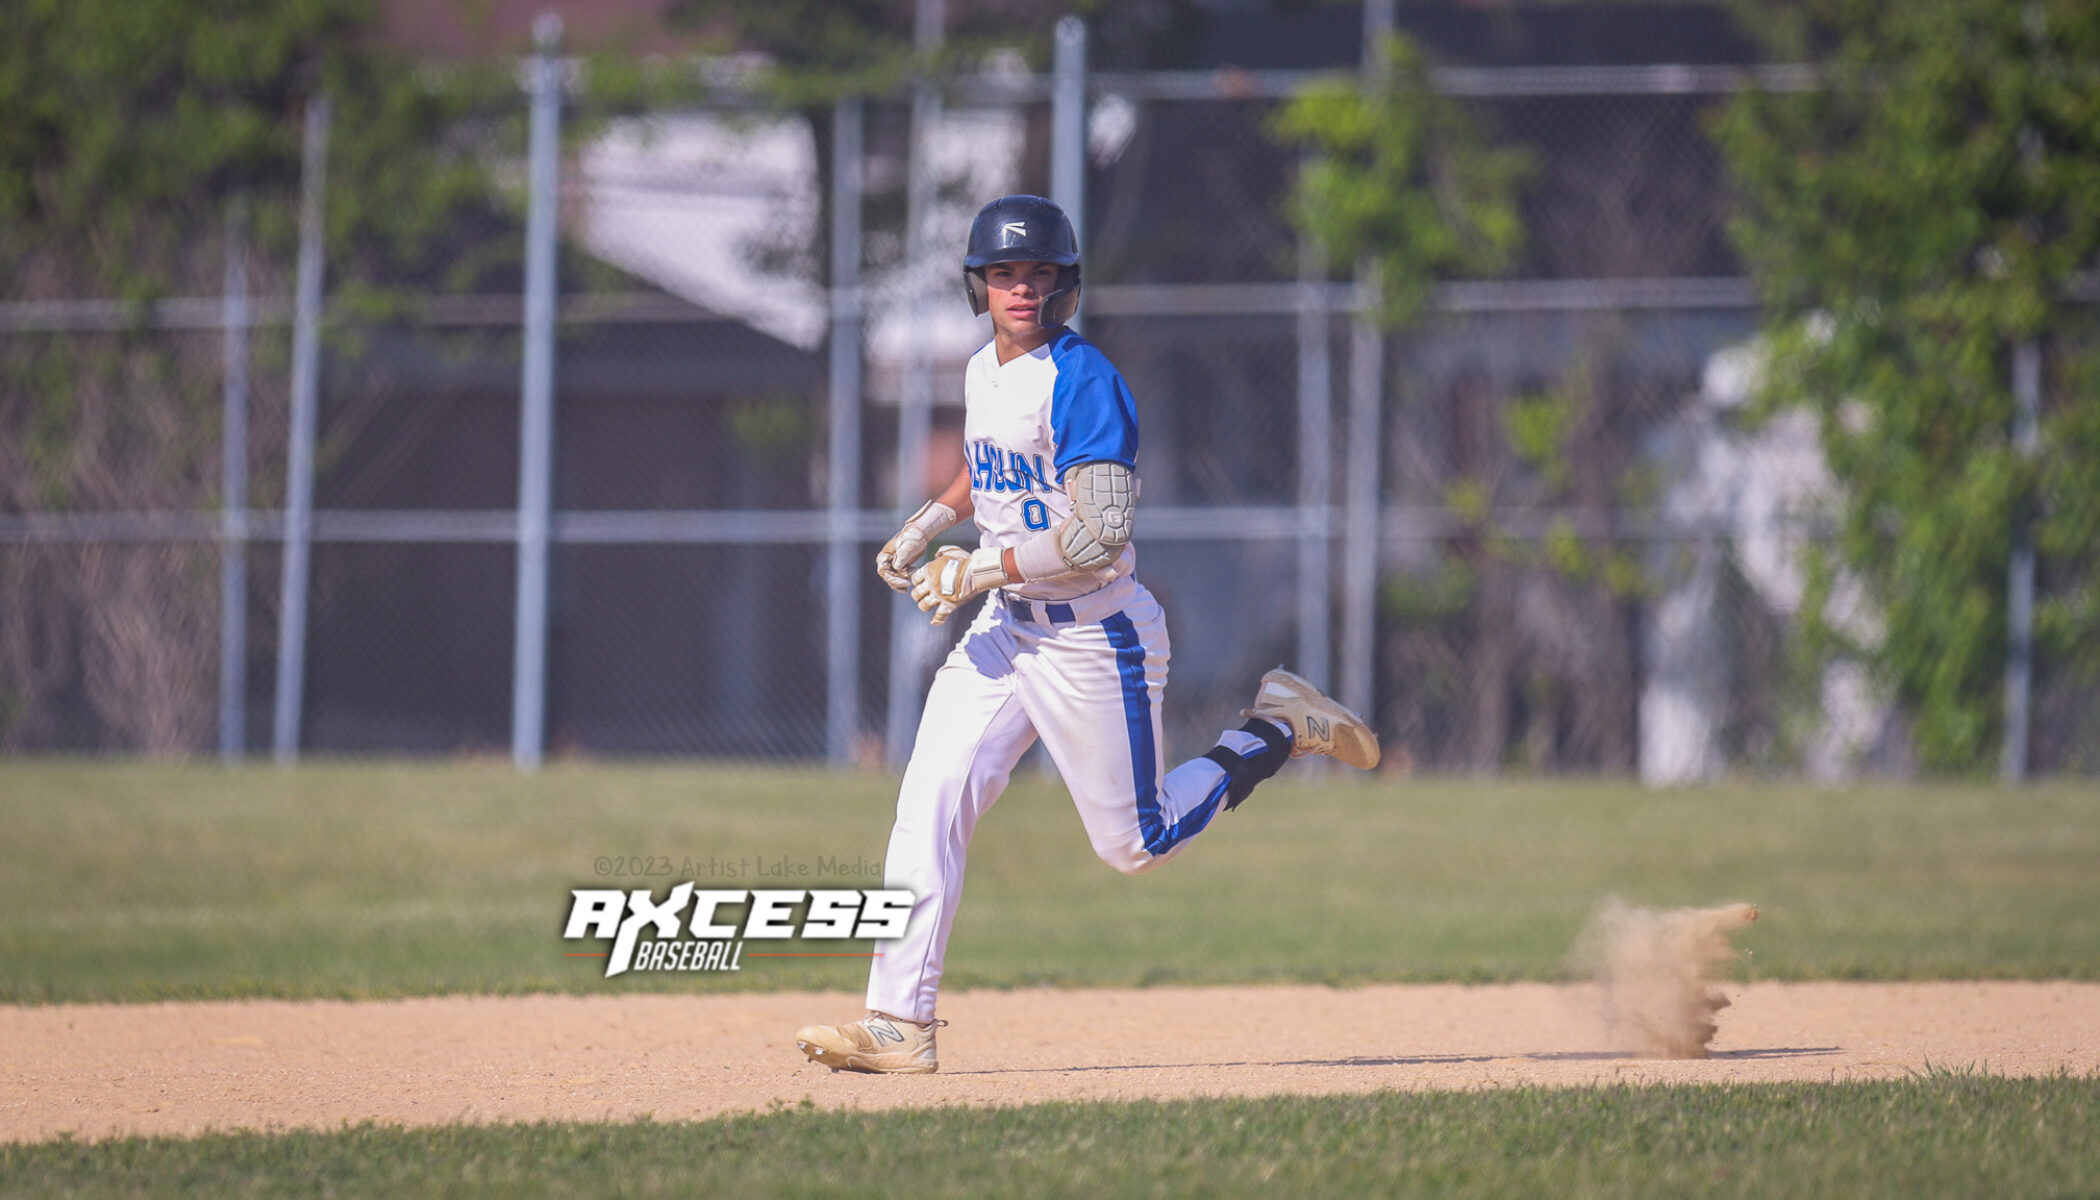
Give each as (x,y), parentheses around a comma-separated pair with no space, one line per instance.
(1093,690)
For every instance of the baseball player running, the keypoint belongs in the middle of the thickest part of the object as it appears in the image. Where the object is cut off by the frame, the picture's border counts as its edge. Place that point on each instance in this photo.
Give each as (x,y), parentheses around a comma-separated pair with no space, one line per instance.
(1071,649)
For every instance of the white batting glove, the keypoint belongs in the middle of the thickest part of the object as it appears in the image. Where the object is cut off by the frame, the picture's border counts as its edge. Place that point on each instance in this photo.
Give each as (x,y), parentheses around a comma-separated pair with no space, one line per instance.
(954,576)
(894,561)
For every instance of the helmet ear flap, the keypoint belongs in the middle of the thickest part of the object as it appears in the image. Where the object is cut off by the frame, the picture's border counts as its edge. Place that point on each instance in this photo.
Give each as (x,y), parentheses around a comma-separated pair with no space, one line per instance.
(979,291)
(1063,305)
(1060,305)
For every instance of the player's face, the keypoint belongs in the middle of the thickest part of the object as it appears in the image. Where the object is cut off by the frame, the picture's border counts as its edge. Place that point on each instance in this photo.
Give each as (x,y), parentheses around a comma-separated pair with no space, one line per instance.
(1017,291)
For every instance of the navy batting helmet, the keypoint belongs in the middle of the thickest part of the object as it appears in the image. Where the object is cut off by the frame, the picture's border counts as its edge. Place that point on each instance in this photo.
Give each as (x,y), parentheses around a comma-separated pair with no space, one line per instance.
(1024,229)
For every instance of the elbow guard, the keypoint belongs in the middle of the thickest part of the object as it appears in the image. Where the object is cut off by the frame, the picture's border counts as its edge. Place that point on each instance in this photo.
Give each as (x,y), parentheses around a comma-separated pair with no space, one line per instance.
(1104,513)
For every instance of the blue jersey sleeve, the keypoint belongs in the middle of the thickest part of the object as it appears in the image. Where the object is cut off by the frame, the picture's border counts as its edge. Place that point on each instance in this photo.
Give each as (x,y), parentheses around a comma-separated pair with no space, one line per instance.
(1093,416)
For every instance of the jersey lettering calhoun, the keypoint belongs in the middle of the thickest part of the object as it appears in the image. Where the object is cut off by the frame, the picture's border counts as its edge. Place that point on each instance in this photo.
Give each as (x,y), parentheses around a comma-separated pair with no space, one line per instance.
(996,470)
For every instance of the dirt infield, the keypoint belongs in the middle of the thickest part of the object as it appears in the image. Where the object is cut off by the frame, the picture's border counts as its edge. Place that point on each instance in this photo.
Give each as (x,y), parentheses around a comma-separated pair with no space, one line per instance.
(101,1070)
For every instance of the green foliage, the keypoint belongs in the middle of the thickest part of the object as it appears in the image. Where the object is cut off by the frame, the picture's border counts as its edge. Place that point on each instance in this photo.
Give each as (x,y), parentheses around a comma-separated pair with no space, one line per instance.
(1908,221)
(142,125)
(819,51)
(1439,594)
(140,137)
(1402,176)
(120,112)
(1942,1133)
(134,124)
(771,428)
(1538,425)
(1546,432)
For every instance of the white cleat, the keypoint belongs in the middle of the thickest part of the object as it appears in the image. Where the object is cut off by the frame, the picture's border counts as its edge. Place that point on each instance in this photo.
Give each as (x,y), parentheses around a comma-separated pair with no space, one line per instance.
(877,1044)
(1318,725)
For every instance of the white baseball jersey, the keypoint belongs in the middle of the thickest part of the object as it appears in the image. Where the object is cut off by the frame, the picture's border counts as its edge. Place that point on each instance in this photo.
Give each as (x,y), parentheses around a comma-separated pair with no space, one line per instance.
(1080,663)
(1026,423)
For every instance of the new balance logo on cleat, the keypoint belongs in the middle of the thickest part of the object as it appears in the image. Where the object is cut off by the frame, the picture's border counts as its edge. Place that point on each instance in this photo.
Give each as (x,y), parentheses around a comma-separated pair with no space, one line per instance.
(876,1044)
(1318,725)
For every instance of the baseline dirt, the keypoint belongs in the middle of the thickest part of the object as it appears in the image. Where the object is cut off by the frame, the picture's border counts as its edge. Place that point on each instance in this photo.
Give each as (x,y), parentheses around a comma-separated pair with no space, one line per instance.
(101,1070)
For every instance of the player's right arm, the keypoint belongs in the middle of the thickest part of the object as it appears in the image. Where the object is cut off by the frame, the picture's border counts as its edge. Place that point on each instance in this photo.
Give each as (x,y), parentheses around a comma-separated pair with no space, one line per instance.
(894,561)
(1089,541)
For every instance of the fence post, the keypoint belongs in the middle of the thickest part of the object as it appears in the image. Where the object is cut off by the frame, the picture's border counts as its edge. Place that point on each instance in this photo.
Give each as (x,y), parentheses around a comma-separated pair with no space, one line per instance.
(909,632)
(1366,383)
(1068,128)
(237,314)
(528,712)
(1315,464)
(841,578)
(2019,600)
(299,466)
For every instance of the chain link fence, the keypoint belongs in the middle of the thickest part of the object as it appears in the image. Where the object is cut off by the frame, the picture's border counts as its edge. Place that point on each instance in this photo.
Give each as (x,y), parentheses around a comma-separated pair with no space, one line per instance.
(1587,559)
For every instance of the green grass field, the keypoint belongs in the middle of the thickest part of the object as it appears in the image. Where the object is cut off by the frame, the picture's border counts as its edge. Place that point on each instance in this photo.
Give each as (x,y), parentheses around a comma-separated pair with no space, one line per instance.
(130,882)
(1945,1135)
(133,882)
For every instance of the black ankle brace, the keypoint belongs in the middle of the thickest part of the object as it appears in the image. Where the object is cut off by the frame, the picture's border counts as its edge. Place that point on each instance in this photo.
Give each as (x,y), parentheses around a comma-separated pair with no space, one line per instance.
(1242,772)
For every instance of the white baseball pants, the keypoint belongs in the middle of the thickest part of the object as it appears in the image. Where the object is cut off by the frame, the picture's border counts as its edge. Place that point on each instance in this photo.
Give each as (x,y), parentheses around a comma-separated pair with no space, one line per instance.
(1086,676)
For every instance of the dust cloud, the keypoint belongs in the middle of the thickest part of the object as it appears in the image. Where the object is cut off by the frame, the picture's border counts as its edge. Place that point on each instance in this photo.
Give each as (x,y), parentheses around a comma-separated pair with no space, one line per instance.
(1653,965)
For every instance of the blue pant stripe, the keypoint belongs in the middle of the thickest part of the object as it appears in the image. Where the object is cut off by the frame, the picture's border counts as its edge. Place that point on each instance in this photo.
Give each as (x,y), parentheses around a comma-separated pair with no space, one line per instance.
(1137,717)
(1190,825)
(1137,714)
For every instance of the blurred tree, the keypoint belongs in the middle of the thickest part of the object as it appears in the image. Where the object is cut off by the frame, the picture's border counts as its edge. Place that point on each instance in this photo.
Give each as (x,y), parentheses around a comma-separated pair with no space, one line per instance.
(819,52)
(132,126)
(133,121)
(1403,176)
(1931,203)
(1405,179)
(822,50)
